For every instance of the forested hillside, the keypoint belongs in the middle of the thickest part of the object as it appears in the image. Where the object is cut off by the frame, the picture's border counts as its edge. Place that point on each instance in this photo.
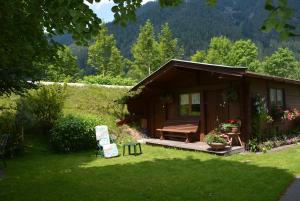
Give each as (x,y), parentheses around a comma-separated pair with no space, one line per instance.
(194,23)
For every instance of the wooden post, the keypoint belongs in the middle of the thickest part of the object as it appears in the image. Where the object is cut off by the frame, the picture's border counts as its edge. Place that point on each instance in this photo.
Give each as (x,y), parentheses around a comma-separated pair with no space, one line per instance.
(245,110)
(202,116)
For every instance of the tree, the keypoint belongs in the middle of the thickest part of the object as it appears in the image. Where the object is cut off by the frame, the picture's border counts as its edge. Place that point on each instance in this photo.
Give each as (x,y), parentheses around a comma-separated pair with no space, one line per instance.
(104,56)
(242,53)
(199,56)
(26,31)
(256,66)
(296,75)
(64,67)
(145,53)
(281,63)
(218,50)
(34,18)
(167,45)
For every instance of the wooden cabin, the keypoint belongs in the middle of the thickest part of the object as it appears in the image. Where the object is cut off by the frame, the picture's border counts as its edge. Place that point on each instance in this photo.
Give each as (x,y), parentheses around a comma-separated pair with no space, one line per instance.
(189,99)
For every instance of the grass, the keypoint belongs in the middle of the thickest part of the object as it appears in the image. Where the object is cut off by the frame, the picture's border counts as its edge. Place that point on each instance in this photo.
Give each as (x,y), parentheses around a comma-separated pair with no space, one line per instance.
(89,100)
(158,174)
(94,101)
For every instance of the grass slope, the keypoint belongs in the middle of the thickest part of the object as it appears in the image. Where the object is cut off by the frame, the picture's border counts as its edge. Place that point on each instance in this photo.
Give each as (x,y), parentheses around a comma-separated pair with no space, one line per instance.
(95,101)
(159,174)
(89,100)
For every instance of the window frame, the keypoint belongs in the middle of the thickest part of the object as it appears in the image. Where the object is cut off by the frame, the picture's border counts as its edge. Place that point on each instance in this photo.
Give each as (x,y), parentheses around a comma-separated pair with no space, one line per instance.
(276,97)
(190,104)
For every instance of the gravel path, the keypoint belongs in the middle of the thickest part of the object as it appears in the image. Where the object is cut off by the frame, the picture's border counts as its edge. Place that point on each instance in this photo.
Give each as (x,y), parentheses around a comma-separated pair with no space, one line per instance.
(293,191)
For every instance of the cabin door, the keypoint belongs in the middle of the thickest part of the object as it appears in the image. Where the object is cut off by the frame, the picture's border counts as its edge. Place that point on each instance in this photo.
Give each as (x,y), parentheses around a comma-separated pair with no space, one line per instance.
(159,117)
(215,110)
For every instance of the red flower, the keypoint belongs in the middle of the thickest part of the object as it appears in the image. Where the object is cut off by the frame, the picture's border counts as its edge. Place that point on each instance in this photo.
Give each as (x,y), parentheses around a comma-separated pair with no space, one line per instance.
(232,121)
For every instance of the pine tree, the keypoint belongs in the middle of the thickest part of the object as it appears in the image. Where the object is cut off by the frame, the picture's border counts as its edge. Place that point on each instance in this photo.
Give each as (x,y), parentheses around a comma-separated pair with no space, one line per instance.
(104,56)
(145,53)
(168,46)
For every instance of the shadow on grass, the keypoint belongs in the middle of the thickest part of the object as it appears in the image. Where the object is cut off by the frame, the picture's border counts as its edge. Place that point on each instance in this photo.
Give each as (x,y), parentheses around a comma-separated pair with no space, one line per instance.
(192,179)
(161,179)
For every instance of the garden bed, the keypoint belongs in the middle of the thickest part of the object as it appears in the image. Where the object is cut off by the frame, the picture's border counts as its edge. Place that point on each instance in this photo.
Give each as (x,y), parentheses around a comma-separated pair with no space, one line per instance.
(272,143)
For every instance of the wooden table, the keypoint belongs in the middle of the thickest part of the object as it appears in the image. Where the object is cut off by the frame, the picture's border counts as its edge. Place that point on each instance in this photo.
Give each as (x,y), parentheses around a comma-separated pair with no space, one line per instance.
(235,136)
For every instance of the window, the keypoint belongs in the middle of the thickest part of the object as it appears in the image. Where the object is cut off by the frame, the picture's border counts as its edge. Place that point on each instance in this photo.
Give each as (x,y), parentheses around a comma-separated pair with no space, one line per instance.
(276,97)
(189,104)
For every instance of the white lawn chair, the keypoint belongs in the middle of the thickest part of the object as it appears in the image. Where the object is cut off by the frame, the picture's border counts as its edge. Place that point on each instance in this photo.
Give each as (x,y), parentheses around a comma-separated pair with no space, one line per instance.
(104,146)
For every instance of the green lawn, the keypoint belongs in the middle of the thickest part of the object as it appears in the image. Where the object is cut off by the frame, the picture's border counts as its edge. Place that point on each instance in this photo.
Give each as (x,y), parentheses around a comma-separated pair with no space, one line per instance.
(159,174)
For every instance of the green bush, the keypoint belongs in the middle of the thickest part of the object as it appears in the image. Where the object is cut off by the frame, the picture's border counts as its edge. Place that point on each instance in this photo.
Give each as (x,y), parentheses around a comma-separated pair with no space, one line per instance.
(109,80)
(40,108)
(74,133)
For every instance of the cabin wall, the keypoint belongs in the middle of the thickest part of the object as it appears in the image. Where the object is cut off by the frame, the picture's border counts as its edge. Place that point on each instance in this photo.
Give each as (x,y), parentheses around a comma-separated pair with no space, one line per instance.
(177,82)
(291,94)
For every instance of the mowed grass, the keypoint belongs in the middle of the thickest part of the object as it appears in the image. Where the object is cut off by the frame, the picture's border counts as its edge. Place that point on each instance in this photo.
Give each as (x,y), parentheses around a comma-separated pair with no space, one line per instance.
(158,174)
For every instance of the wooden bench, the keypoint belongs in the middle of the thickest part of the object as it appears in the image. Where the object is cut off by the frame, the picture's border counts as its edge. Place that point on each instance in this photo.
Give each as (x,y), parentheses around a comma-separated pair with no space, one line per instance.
(186,129)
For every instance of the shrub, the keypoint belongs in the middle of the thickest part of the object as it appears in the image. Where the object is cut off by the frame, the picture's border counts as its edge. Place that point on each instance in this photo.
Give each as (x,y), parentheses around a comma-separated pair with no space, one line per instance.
(109,80)
(74,133)
(41,108)
(9,125)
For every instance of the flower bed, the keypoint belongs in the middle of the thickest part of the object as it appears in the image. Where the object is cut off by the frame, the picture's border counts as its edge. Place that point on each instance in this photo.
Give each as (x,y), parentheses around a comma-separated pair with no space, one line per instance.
(255,145)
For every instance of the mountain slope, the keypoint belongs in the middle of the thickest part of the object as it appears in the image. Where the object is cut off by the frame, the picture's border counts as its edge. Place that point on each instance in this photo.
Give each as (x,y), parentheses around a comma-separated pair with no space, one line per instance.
(195,23)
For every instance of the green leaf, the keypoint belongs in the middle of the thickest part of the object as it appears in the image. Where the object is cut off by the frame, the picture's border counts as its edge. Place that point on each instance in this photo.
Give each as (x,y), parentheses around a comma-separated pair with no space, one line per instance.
(115,9)
(269,5)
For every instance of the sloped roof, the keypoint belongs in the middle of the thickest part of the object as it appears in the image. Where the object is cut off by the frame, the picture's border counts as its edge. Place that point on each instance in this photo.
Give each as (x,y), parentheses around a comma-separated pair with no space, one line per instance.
(215,68)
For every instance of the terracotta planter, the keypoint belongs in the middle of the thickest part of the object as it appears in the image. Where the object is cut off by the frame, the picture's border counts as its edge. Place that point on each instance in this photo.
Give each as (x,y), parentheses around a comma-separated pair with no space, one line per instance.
(217,146)
(234,129)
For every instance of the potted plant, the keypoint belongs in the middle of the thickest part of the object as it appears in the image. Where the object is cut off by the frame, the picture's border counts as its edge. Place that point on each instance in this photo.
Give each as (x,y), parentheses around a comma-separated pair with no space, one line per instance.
(215,141)
(234,124)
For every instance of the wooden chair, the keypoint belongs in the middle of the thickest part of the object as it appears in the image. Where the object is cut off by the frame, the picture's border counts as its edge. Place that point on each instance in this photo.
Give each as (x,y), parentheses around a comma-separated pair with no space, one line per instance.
(3,143)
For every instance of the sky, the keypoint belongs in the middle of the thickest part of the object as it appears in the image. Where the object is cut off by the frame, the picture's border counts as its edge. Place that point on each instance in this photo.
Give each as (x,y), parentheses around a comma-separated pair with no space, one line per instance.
(103,9)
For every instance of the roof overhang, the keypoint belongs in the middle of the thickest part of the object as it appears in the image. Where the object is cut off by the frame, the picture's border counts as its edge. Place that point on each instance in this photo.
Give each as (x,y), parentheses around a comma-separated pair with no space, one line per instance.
(181,64)
(213,68)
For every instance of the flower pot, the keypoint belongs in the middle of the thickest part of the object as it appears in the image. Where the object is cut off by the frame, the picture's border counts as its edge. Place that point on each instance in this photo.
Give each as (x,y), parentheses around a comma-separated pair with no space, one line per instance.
(217,146)
(234,129)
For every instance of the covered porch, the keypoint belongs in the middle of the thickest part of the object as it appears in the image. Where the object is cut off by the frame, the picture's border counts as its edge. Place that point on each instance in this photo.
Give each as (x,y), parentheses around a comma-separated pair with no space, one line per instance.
(193,146)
